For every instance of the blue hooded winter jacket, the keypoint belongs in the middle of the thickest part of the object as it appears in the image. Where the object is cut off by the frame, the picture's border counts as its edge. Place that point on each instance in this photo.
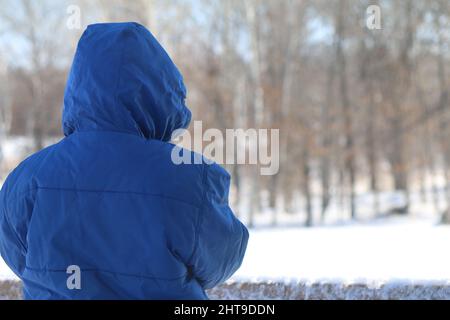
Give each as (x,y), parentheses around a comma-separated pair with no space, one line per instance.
(108,198)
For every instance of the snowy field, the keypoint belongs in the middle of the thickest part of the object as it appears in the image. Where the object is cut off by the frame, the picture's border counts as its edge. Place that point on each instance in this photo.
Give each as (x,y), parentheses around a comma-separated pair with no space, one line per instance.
(403,249)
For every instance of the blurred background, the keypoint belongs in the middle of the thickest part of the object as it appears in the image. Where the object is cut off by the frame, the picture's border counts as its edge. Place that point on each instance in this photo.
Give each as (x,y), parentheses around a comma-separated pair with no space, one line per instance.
(360,95)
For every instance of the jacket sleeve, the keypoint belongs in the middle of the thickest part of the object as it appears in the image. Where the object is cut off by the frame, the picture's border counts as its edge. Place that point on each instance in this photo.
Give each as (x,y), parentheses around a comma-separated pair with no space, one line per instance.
(12,242)
(221,239)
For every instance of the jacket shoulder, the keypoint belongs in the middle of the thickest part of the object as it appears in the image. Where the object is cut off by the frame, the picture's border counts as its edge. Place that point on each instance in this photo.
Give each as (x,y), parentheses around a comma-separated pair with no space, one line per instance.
(190,167)
(21,179)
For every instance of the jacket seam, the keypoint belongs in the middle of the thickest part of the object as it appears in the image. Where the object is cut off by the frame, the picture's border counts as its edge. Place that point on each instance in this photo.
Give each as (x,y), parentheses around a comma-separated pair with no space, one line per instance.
(119,75)
(200,215)
(123,132)
(110,191)
(108,271)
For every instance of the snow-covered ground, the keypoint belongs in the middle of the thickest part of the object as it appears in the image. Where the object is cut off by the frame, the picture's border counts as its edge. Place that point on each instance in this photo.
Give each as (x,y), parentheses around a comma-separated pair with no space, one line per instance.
(401,249)
(5,272)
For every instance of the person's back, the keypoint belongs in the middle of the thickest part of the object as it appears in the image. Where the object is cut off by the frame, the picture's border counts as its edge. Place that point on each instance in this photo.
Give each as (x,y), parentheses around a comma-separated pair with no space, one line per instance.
(107,198)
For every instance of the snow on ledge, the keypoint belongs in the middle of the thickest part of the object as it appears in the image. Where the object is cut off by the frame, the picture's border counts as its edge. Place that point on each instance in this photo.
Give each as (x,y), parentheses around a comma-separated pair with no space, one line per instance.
(332,290)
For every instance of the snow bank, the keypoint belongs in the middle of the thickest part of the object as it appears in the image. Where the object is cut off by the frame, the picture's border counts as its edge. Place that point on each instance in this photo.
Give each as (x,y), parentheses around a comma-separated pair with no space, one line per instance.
(5,272)
(396,290)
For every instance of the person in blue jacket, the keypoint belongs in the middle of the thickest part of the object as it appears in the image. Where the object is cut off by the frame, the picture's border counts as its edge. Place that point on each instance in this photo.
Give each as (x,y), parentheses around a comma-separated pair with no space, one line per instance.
(107,200)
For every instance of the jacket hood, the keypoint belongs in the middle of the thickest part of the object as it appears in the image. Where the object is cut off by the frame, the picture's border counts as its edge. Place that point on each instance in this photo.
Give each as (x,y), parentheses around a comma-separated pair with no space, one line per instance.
(123,80)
